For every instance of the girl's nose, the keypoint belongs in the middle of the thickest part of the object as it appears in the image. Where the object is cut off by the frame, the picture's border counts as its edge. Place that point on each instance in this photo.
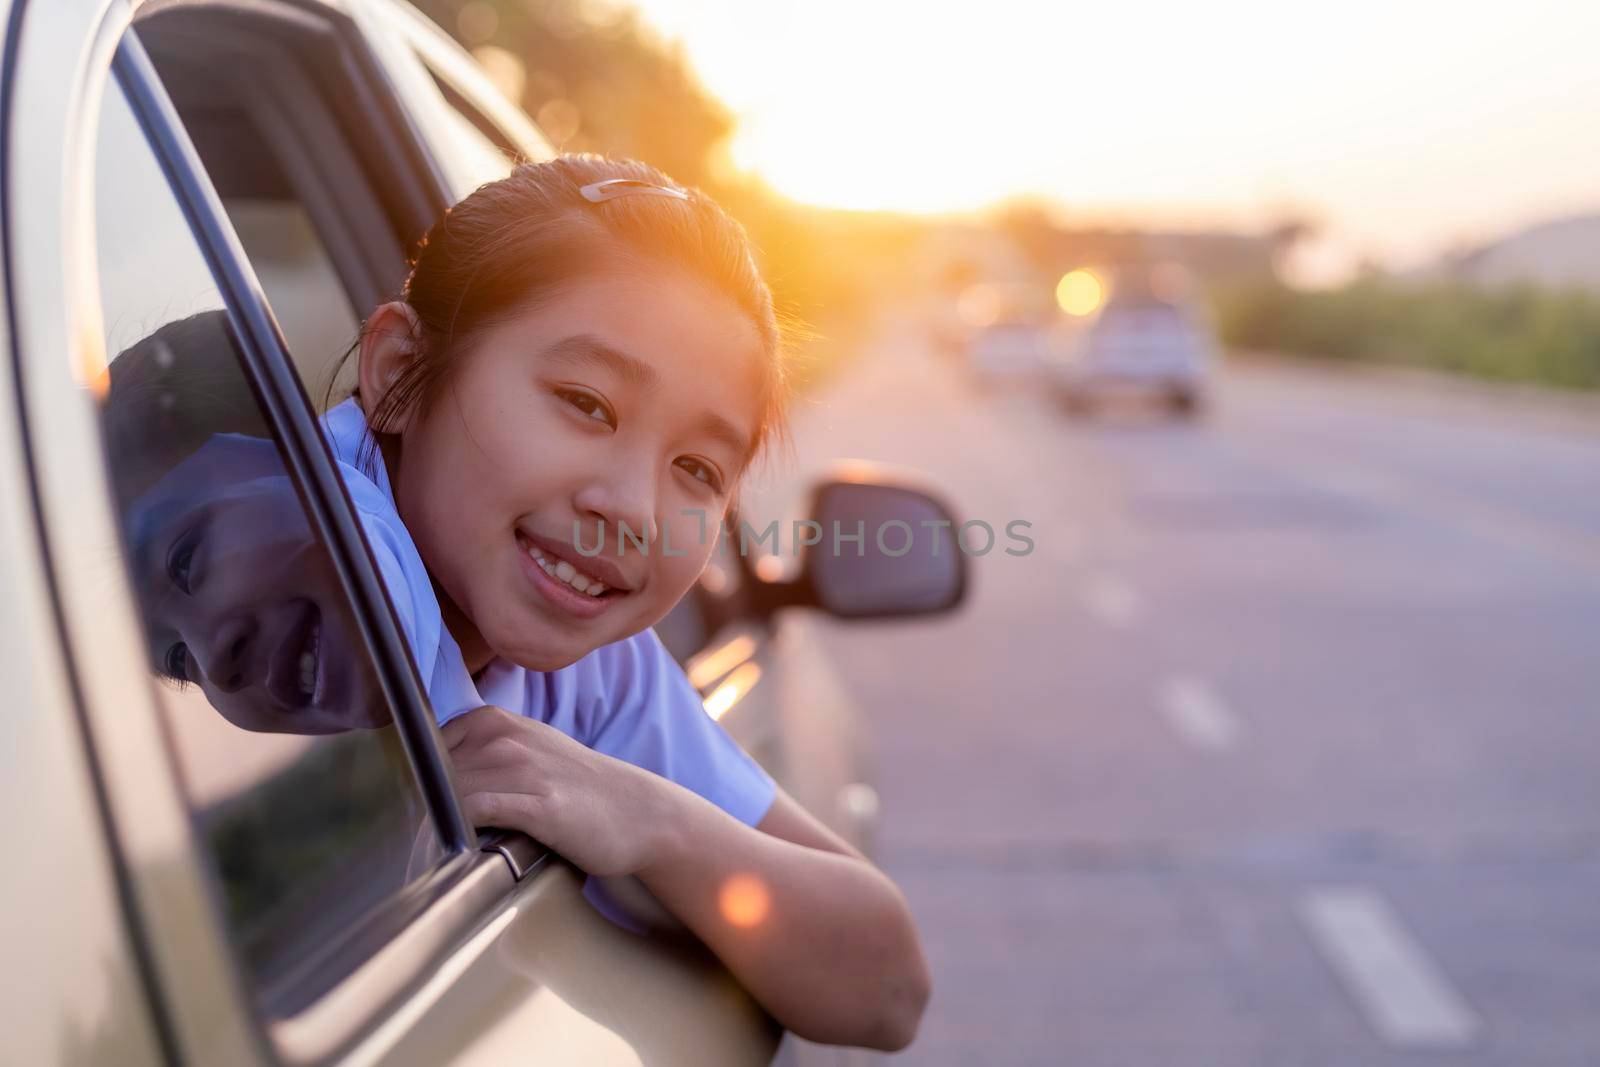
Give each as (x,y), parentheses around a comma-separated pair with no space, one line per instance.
(626,506)
(224,655)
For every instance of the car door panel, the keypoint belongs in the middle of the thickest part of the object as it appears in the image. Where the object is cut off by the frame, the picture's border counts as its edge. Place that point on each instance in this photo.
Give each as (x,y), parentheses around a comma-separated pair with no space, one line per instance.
(83,998)
(548,977)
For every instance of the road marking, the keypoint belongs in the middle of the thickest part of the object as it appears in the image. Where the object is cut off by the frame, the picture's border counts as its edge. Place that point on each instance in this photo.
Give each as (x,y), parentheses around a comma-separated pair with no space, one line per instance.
(1199,715)
(1406,999)
(1111,600)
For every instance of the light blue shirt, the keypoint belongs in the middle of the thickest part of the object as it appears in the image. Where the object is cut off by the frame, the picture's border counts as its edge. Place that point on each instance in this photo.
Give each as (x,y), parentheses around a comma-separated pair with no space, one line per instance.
(629,699)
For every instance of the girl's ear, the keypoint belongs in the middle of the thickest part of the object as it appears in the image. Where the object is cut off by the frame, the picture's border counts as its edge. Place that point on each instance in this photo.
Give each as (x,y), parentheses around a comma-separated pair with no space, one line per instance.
(389,344)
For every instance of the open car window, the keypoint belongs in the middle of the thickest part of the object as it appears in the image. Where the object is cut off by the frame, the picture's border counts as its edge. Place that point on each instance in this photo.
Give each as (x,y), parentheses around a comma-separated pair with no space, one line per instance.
(325,194)
(304,801)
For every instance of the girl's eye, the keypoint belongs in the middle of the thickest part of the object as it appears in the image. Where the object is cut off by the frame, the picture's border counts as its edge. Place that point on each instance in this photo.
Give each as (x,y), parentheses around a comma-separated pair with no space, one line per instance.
(702,472)
(590,405)
(180,560)
(175,664)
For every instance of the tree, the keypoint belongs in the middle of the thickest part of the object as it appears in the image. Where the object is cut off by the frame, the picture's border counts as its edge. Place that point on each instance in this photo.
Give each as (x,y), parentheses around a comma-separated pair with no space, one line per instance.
(613,84)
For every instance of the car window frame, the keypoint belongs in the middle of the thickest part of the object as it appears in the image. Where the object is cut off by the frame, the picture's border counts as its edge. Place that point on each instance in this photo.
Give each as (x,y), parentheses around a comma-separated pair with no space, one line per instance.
(349,227)
(451,71)
(360,104)
(287,409)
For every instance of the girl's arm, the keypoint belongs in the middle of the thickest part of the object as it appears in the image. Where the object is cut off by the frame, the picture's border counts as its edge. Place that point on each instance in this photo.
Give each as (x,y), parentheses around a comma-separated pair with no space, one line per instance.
(815,932)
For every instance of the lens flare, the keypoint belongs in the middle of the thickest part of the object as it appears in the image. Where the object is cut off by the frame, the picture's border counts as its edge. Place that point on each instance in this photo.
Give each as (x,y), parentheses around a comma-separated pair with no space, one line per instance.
(1079,292)
(728,693)
(744,901)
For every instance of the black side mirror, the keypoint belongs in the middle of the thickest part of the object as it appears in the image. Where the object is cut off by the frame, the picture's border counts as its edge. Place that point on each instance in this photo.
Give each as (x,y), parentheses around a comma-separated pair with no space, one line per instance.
(876,547)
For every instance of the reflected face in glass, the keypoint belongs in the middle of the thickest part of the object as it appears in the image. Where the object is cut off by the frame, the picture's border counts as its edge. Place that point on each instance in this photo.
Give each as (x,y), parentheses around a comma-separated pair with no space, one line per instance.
(241,599)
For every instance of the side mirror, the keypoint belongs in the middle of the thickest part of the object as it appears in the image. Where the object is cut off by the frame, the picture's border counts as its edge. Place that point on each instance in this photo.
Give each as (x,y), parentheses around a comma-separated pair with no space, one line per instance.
(882,549)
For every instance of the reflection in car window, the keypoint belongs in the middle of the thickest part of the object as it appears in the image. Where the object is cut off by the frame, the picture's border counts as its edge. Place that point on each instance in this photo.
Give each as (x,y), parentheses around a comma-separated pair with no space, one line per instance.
(299,786)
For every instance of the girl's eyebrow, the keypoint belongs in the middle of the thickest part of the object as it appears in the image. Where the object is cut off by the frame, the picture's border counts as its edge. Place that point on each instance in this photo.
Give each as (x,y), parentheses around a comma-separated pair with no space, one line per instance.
(720,429)
(585,348)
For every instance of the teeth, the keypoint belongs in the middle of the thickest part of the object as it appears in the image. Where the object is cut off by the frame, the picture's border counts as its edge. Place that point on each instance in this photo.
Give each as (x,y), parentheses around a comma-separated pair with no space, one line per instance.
(308,661)
(562,571)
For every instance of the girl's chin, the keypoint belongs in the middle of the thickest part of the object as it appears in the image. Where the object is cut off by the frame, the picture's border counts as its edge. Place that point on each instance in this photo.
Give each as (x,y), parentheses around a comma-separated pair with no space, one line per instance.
(558,650)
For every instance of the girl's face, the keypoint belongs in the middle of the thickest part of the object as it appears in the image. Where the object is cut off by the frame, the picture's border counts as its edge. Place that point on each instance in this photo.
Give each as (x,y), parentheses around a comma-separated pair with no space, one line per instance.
(241,599)
(621,403)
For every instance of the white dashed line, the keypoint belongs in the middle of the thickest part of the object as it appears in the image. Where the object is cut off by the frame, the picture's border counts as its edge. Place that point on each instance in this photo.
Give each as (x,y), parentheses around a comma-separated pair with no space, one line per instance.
(1199,715)
(1111,600)
(1406,999)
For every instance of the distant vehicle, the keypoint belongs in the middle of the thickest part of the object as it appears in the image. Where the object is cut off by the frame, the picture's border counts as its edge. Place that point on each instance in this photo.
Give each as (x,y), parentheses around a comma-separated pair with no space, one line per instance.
(1011,351)
(1139,345)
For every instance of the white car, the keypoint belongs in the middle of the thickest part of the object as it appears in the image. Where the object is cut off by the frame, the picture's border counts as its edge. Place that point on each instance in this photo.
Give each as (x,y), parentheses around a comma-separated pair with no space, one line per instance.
(200,199)
(1141,346)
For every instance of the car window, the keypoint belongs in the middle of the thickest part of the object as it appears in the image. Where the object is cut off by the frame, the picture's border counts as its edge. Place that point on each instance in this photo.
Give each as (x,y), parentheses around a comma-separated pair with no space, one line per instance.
(299,787)
(481,147)
(302,173)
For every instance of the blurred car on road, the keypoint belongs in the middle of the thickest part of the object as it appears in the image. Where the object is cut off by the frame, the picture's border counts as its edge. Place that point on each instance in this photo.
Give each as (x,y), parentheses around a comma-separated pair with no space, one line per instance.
(202,200)
(1138,344)
(1014,351)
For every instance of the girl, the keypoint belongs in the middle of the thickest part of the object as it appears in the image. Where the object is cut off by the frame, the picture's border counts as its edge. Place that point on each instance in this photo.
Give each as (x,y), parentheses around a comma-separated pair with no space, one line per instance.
(586,354)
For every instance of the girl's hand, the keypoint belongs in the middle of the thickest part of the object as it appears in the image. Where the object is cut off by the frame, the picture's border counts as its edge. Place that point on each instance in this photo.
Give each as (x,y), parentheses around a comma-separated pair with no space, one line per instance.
(520,774)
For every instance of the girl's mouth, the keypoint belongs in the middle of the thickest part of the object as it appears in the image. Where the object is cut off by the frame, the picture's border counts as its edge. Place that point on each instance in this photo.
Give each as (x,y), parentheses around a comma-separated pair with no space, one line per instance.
(565,586)
(296,672)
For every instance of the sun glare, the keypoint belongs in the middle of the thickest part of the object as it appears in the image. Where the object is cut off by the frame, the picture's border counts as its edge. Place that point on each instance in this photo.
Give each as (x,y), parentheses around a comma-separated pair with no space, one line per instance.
(861,106)
(1079,292)
(744,901)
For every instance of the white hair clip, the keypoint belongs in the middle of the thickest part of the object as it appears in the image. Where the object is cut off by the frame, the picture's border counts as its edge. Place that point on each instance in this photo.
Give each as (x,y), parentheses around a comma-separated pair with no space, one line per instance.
(611,188)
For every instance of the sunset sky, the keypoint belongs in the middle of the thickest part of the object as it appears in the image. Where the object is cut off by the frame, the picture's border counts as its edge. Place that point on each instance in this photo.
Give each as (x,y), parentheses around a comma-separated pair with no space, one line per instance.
(1405,127)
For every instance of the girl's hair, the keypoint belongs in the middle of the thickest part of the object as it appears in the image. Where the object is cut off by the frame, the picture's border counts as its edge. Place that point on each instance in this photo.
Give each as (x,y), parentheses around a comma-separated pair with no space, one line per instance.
(516,241)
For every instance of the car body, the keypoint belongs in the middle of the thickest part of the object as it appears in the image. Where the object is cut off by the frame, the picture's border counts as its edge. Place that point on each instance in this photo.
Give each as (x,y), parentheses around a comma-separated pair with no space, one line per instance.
(182,891)
(1138,344)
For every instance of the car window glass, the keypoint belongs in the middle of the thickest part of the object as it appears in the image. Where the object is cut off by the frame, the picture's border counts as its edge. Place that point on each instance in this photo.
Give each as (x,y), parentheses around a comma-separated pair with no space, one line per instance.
(268,115)
(244,150)
(299,281)
(474,141)
(301,794)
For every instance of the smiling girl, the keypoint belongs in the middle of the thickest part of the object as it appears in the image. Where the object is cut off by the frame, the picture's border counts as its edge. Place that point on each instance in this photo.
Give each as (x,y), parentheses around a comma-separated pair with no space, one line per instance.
(582,348)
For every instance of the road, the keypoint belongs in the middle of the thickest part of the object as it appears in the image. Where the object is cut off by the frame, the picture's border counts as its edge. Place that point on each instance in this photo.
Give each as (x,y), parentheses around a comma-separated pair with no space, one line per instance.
(1282,748)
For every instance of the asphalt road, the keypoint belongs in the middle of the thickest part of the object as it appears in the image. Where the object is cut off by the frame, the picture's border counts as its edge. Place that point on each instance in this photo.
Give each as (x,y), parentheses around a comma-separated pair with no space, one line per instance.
(1282,747)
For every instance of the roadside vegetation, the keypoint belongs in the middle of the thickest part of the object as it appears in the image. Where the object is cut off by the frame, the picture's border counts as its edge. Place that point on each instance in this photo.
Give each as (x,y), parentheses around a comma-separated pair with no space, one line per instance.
(1515,334)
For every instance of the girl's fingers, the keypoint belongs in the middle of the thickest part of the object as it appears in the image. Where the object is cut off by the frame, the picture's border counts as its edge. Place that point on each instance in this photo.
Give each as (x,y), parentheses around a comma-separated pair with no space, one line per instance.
(479,753)
(494,780)
(505,811)
(479,723)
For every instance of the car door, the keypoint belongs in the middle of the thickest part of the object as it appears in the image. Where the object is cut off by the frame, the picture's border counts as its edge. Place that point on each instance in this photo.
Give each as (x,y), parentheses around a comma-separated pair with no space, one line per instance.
(296,897)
